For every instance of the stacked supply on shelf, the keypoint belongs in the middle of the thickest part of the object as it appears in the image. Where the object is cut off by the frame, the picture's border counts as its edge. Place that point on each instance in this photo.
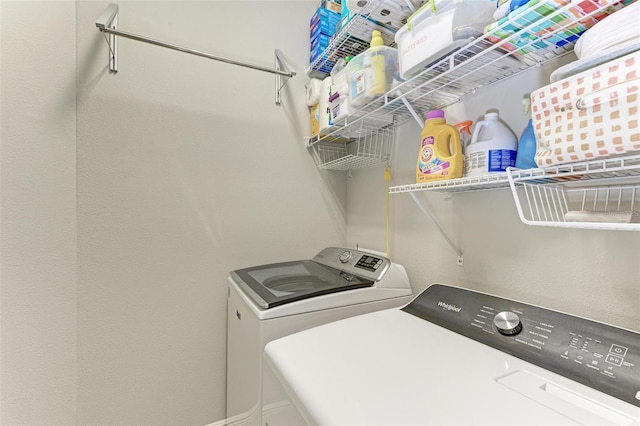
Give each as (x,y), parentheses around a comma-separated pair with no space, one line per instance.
(340,106)
(314,87)
(358,19)
(536,27)
(615,36)
(390,13)
(333,5)
(318,93)
(590,110)
(356,81)
(322,27)
(372,73)
(438,28)
(339,102)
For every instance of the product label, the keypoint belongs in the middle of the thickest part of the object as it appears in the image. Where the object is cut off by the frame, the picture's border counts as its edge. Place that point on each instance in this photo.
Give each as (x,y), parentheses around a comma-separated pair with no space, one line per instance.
(361,83)
(335,111)
(500,159)
(429,164)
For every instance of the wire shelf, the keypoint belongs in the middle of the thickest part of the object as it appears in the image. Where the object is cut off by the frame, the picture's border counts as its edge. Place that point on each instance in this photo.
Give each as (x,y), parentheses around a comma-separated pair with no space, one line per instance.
(347,43)
(614,207)
(581,173)
(545,31)
(366,146)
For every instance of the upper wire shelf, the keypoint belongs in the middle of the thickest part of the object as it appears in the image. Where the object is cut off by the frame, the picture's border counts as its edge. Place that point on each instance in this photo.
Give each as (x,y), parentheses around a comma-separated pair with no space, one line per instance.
(499,54)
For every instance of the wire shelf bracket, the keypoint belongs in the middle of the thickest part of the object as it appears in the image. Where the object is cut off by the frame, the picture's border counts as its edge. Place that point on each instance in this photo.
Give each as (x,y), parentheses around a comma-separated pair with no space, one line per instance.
(107,23)
(428,213)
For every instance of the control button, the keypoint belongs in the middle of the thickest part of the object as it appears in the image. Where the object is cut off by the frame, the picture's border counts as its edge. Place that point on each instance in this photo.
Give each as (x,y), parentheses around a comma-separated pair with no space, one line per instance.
(618,350)
(345,256)
(507,323)
(614,359)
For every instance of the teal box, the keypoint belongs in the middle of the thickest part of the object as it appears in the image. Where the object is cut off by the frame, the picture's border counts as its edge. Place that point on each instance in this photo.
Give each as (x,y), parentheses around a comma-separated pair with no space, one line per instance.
(324,21)
(319,45)
(320,42)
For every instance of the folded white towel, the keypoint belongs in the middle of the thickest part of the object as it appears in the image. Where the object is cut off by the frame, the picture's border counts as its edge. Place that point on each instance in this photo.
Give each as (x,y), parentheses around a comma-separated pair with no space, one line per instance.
(590,216)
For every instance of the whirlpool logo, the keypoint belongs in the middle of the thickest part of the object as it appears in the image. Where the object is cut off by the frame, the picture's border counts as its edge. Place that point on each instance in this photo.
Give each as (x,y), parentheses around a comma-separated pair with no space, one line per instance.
(448,307)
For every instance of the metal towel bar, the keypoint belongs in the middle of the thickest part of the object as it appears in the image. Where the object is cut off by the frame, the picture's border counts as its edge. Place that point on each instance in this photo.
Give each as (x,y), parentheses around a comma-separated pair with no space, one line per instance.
(108,24)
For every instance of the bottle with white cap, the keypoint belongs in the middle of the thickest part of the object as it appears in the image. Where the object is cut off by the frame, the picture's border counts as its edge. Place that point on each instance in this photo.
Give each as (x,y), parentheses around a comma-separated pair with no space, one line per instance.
(493,147)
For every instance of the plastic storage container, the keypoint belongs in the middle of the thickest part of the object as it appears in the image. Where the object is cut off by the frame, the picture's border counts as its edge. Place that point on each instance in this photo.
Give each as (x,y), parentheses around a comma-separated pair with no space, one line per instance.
(592,114)
(324,112)
(493,147)
(433,32)
(339,102)
(371,73)
(440,155)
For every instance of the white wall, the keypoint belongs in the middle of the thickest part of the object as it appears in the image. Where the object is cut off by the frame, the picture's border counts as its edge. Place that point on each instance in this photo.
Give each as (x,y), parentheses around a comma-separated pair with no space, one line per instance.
(172,173)
(594,274)
(37,222)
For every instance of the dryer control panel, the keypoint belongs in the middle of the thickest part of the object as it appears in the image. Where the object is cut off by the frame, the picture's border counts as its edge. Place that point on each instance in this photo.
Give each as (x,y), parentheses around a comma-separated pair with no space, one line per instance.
(597,355)
(356,262)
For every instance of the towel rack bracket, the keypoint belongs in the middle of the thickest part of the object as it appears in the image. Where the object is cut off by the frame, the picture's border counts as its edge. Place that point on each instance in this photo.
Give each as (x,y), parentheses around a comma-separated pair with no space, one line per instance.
(109,21)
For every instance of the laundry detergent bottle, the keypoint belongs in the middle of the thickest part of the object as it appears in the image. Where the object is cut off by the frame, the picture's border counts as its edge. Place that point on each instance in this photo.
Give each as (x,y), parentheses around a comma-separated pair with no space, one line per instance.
(440,156)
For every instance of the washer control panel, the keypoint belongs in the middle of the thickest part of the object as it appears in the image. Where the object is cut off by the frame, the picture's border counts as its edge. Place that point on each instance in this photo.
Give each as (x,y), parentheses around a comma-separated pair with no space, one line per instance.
(355,262)
(597,355)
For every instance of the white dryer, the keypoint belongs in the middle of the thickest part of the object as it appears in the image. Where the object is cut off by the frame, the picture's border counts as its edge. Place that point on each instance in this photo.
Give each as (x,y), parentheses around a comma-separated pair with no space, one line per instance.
(455,356)
(271,301)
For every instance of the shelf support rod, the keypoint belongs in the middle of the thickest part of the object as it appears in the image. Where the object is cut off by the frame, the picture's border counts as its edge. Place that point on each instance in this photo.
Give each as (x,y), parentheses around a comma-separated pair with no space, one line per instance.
(108,23)
(410,108)
(439,228)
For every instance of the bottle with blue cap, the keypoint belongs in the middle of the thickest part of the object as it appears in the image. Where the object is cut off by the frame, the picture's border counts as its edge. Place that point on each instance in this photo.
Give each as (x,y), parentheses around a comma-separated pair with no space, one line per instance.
(527,146)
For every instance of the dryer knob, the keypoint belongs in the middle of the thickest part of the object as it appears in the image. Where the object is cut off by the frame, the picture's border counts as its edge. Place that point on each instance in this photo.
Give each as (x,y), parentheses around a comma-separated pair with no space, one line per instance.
(345,256)
(507,323)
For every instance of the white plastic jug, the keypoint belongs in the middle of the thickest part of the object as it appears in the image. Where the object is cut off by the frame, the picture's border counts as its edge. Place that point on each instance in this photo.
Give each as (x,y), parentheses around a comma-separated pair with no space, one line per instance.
(493,147)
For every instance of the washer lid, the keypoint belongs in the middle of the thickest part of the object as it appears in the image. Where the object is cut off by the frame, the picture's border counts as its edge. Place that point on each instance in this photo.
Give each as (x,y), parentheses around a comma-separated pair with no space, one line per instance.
(279,283)
(392,368)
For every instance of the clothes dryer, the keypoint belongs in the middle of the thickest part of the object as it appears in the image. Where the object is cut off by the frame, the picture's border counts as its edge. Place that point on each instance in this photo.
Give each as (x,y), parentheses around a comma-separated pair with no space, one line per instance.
(271,301)
(455,356)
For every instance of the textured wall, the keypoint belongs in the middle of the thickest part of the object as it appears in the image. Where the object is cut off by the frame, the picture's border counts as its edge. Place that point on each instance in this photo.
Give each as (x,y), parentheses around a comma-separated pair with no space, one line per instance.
(37,222)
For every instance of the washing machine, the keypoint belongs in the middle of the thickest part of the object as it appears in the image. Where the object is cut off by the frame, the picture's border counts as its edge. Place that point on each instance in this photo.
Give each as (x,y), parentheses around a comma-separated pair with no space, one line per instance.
(455,356)
(271,301)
